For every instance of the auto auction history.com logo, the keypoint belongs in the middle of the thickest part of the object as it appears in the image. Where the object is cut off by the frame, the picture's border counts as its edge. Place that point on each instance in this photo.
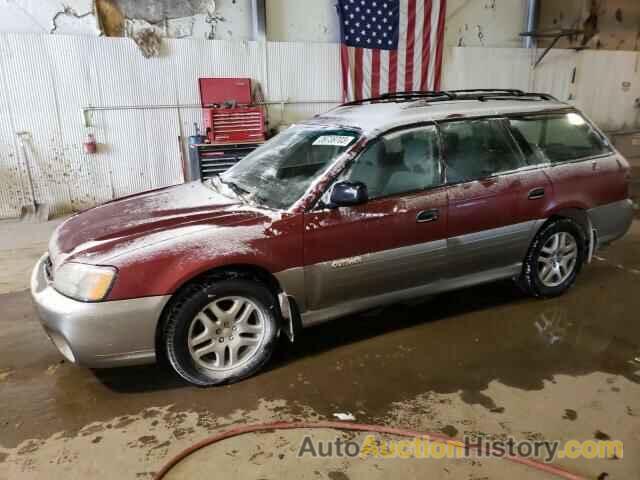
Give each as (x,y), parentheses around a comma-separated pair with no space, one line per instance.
(437,448)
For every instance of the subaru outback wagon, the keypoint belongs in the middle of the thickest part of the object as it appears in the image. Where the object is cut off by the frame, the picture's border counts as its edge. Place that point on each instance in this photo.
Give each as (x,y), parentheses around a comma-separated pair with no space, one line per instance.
(377,201)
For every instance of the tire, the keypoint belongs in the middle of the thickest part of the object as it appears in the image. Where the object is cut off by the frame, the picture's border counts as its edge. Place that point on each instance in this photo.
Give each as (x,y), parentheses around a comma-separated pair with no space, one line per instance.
(210,321)
(558,280)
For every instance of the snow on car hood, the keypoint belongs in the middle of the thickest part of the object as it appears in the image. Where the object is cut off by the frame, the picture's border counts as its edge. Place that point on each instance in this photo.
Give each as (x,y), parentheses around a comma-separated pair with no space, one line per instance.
(139,221)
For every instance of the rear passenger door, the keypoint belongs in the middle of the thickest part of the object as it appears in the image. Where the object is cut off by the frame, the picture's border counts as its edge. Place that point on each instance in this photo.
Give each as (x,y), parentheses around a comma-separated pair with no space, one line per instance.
(582,167)
(483,183)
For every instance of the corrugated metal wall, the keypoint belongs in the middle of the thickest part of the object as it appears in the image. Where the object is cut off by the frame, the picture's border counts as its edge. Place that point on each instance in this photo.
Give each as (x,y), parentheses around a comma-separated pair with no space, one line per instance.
(46,80)
(606,83)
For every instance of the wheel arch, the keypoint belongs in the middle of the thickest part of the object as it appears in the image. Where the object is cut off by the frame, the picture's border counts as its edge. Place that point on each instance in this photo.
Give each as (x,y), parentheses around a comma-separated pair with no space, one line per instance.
(577,214)
(244,271)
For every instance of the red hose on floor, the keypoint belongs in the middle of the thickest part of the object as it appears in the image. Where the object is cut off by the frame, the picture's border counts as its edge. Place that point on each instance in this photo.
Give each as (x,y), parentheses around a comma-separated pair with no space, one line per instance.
(434,437)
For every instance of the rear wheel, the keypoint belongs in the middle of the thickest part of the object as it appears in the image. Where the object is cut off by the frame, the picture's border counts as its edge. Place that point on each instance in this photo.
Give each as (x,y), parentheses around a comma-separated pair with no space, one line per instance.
(221,331)
(554,259)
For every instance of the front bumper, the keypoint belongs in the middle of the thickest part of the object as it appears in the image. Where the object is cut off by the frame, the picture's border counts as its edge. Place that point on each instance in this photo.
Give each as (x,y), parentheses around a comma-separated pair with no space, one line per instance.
(97,335)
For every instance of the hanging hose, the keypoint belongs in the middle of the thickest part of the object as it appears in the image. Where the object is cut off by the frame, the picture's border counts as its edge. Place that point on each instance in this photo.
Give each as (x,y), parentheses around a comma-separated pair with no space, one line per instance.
(434,437)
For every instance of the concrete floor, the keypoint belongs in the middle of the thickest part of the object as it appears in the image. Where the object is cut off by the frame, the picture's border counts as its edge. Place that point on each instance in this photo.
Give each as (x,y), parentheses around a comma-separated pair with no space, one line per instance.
(483,361)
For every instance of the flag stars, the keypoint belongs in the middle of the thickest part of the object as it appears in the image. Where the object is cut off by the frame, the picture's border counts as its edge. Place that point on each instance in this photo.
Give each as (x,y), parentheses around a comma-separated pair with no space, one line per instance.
(370,23)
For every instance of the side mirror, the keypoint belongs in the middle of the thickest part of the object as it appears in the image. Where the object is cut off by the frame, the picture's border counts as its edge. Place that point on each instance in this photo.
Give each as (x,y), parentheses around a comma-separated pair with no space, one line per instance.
(345,194)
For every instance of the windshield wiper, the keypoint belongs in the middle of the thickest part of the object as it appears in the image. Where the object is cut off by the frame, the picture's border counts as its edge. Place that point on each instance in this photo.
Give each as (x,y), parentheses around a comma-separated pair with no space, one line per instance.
(237,189)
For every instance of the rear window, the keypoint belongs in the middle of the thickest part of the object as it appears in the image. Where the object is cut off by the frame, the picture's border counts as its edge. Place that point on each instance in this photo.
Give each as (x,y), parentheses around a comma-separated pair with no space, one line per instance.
(557,138)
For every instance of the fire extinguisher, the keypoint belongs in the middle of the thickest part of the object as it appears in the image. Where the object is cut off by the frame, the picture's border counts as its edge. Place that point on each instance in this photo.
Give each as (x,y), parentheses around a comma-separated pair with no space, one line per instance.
(90,145)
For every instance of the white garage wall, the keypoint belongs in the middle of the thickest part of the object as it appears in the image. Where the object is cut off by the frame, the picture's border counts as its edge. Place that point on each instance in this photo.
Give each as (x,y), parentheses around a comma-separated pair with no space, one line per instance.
(606,83)
(46,80)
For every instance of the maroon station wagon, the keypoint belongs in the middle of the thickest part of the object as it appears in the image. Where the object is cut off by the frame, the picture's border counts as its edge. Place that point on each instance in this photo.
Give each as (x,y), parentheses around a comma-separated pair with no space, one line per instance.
(374,202)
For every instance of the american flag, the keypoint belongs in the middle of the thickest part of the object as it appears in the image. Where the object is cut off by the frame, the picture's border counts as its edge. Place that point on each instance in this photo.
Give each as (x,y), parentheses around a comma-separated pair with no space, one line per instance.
(390,46)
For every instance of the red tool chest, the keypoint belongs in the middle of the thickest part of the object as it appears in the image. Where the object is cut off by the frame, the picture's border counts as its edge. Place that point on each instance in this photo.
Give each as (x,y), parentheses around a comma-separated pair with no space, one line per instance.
(240,123)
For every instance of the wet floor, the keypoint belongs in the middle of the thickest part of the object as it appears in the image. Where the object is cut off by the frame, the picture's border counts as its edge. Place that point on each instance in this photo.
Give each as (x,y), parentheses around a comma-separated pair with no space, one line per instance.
(451,348)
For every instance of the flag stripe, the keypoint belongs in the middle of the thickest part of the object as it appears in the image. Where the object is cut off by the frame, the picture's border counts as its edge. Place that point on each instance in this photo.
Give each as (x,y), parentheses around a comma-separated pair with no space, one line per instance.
(384,71)
(434,34)
(393,70)
(358,73)
(375,73)
(417,50)
(402,46)
(344,59)
(440,46)
(426,45)
(411,37)
(366,72)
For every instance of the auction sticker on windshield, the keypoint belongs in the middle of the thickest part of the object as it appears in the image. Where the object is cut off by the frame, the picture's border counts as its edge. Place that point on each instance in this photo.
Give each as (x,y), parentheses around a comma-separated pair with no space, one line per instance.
(333,140)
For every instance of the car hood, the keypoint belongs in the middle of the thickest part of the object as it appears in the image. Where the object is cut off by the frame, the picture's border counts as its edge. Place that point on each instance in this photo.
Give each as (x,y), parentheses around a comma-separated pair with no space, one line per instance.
(104,232)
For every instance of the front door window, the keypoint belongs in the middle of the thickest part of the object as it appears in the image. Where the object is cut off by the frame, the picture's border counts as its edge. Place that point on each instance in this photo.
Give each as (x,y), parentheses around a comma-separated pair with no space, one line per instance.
(400,162)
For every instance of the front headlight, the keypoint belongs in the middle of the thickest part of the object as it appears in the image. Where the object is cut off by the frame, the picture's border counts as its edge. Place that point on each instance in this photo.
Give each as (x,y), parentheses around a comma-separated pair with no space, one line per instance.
(86,283)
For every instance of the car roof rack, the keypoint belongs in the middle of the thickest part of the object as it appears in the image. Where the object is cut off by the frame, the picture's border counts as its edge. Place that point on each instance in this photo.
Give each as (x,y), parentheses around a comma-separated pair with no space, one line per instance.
(409,96)
(478,94)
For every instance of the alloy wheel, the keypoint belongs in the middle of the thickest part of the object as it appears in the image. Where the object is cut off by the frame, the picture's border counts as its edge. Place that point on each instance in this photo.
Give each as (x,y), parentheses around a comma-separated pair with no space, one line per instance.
(226,333)
(557,259)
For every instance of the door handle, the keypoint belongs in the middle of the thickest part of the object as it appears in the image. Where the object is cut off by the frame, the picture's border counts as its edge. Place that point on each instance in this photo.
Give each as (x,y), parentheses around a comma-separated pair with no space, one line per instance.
(428,215)
(536,193)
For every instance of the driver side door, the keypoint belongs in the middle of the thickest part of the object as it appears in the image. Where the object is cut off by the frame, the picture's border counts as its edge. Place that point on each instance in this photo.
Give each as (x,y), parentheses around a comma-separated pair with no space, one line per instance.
(394,241)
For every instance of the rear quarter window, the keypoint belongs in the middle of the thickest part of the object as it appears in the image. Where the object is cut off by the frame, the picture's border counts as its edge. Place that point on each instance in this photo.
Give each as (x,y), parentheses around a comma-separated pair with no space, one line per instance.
(557,138)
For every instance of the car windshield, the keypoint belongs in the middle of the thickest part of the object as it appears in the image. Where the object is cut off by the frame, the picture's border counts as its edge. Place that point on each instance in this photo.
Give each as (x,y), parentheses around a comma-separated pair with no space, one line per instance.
(278,173)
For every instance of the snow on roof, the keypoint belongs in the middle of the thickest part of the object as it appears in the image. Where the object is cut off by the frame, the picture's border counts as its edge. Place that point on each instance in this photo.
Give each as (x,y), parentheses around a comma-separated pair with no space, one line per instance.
(375,117)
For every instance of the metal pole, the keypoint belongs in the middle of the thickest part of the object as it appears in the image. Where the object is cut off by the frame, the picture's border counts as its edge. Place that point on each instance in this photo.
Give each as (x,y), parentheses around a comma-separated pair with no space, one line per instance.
(259,20)
(533,7)
(194,105)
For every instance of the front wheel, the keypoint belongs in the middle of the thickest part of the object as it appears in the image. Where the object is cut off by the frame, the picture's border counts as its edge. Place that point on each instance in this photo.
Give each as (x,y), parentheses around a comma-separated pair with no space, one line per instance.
(221,331)
(554,259)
